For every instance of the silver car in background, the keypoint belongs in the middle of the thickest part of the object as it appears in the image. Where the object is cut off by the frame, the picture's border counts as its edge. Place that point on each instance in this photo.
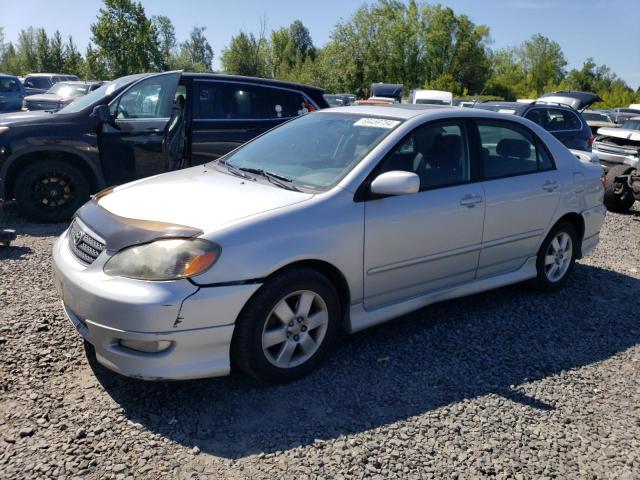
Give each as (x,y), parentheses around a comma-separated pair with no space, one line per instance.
(340,219)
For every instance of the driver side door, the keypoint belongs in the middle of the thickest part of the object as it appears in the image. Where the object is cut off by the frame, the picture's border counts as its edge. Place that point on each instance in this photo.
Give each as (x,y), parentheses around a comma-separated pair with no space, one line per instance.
(132,145)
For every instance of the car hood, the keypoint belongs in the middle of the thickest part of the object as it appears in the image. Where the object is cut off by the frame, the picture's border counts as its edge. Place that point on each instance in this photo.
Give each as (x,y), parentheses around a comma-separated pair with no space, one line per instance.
(16,118)
(44,97)
(623,133)
(197,197)
(576,100)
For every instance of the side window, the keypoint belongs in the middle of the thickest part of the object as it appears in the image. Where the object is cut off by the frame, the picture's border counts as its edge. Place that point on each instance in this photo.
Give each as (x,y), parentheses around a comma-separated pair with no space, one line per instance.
(437,153)
(38,82)
(151,98)
(561,120)
(509,151)
(216,100)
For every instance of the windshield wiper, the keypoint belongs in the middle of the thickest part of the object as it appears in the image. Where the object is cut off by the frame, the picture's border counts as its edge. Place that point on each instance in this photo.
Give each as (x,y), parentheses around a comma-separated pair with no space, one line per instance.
(274,178)
(235,170)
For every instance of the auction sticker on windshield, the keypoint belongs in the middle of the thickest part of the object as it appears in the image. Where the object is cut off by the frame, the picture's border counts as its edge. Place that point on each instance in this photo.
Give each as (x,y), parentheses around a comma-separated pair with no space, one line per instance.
(376,123)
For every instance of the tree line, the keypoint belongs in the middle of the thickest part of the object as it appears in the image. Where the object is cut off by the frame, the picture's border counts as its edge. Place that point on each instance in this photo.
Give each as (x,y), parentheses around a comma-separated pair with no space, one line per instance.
(420,45)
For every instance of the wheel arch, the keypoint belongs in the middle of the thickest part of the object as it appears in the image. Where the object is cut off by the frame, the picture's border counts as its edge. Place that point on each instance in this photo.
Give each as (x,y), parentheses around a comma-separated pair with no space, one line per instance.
(332,273)
(34,156)
(577,221)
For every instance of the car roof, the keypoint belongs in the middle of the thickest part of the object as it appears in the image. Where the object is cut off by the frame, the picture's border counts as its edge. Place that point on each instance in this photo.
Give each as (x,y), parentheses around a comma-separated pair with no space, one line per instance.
(406,111)
(263,81)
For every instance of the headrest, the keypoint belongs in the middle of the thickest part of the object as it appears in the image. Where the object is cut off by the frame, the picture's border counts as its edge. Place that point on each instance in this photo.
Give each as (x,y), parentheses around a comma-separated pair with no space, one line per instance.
(449,145)
(512,147)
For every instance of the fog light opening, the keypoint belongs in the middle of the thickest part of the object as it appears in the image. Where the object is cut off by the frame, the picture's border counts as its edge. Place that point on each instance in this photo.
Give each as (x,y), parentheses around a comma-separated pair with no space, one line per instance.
(144,346)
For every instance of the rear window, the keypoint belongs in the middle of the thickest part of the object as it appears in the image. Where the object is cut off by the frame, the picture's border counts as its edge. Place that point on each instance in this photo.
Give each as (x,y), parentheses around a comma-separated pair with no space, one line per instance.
(38,82)
(217,100)
(554,119)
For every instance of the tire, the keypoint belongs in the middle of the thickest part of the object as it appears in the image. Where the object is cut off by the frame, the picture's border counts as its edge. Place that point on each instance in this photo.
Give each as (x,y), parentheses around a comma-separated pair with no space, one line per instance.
(51,191)
(545,280)
(250,349)
(617,202)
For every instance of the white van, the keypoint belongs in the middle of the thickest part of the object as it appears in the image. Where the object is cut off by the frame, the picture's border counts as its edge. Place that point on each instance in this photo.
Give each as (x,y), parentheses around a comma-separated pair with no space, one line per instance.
(431,97)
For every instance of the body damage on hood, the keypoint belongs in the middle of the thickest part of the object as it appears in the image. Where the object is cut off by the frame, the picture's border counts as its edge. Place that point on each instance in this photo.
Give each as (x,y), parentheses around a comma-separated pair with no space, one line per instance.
(121,232)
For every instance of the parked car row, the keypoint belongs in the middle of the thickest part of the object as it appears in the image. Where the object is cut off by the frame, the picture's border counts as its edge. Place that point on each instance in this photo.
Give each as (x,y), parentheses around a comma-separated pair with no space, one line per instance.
(275,222)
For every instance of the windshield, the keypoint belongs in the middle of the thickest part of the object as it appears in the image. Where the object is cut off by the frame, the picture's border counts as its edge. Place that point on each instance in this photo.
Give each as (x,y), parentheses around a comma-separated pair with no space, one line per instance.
(93,97)
(316,150)
(631,125)
(69,89)
(596,117)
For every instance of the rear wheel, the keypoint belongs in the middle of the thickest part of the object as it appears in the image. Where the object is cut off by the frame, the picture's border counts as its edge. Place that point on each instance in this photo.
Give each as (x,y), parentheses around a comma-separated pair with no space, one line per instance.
(618,196)
(288,327)
(51,191)
(556,257)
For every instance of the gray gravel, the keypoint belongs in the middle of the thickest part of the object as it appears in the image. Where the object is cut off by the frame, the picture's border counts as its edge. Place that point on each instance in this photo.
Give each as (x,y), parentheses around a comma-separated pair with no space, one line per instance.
(506,384)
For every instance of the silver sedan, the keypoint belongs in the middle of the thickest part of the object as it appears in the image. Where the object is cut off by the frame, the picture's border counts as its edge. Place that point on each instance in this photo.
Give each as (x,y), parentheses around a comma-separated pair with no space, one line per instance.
(340,219)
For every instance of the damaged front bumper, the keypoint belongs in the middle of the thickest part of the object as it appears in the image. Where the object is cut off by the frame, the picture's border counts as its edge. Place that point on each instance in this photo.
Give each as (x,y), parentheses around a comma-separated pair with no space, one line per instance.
(150,330)
(611,155)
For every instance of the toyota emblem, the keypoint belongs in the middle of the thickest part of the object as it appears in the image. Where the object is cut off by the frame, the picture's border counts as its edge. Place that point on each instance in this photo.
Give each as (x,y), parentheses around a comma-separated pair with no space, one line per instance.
(77,237)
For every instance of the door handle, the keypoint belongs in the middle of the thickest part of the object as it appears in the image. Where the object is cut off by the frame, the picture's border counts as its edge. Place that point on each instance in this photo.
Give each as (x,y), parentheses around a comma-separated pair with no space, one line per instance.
(154,130)
(470,201)
(550,186)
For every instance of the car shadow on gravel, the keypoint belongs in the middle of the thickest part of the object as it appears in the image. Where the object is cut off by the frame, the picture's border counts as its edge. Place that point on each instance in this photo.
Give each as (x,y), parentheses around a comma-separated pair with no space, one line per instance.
(14,253)
(490,343)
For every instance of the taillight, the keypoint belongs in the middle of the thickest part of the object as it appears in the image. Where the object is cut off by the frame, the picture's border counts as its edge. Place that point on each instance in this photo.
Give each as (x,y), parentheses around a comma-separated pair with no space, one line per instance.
(591,139)
(309,106)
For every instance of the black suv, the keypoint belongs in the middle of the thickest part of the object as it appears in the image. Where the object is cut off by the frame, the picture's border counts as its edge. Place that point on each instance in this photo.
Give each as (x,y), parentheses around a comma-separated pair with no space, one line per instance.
(134,127)
(558,113)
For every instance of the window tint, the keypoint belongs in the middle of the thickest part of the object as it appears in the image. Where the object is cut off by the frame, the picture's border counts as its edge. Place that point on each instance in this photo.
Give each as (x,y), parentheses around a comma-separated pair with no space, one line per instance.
(438,154)
(38,82)
(553,119)
(8,85)
(151,98)
(221,100)
(508,151)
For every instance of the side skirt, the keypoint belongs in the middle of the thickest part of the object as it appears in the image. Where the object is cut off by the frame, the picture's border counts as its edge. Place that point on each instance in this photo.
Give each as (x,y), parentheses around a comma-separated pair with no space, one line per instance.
(360,318)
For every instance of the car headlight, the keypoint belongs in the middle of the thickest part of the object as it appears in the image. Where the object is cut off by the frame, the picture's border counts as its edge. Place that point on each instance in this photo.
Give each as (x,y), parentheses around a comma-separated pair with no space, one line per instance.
(3,129)
(169,259)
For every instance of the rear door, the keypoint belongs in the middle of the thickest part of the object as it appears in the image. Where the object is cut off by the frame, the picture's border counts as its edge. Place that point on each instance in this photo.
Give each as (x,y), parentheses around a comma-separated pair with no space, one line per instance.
(227,114)
(132,146)
(522,192)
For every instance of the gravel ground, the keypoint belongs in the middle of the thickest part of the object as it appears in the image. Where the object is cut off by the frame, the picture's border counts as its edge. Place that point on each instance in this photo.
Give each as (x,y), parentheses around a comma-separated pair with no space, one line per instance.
(506,384)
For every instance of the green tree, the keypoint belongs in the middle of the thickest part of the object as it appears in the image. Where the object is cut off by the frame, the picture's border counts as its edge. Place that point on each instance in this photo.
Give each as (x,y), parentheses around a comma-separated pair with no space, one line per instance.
(166,37)
(245,56)
(56,53)
(196,53)
(542,63)
(125,40)
(73,61)
(43,61)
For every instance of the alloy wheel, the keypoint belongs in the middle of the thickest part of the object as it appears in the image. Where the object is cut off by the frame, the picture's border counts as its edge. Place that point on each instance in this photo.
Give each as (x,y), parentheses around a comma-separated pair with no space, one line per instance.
(558,257)
(295,329)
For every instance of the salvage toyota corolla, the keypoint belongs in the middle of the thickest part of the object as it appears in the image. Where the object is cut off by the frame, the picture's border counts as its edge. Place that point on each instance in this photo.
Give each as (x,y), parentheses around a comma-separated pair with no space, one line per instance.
(340,219)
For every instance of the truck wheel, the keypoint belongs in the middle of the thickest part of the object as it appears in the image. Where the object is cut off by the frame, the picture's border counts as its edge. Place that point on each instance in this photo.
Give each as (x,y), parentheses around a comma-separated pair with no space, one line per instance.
(618,197)
(51,191)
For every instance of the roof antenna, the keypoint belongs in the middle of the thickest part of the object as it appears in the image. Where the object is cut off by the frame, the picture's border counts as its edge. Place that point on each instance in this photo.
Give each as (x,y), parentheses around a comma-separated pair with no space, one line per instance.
(475,100)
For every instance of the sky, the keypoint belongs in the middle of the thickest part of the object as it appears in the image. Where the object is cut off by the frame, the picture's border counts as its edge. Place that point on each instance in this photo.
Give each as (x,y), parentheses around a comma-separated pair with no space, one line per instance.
(607,30)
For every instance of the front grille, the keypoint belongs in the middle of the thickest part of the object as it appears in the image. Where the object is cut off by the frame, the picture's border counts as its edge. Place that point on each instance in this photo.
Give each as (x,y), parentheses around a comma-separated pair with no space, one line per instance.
(85,247)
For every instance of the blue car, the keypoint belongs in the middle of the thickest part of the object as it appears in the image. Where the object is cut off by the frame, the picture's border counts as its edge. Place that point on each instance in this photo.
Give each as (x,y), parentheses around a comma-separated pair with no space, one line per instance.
(559,113)
(11,93)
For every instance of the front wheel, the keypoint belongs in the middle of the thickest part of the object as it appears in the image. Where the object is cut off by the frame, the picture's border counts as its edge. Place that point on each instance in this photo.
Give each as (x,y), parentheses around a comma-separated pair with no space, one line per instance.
(556,257)
(288,327)
(618,197)
(51,191)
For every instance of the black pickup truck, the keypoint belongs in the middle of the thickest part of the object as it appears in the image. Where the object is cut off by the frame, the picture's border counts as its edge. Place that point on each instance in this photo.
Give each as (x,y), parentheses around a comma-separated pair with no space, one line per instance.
(134,127)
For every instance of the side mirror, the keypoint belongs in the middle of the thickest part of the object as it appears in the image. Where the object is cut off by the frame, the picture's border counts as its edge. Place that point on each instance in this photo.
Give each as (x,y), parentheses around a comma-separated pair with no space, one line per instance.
(396,182)
(102,113)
